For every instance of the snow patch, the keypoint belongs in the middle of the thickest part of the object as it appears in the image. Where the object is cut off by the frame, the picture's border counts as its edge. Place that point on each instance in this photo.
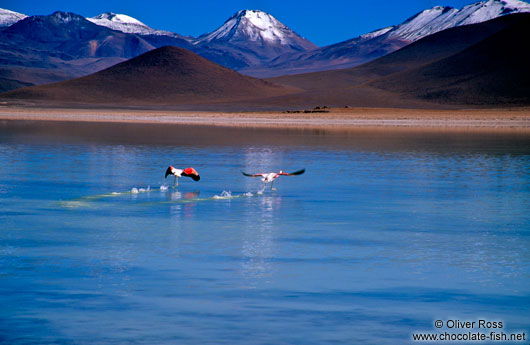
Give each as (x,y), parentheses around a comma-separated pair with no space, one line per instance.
(8,18)
(440,18)
(127,24)
(376,33)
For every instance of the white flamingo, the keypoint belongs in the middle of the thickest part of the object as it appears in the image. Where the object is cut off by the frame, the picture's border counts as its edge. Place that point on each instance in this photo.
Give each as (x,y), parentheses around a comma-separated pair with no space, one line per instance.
(270,177)
(178,173)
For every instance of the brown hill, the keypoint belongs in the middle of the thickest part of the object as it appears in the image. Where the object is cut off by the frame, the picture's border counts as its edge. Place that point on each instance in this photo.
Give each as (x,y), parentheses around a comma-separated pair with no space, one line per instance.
(164,76)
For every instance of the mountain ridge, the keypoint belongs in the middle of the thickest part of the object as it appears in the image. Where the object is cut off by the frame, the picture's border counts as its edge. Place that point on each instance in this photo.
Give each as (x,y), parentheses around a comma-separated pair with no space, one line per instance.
(380,42)
(250,41)
(35,42)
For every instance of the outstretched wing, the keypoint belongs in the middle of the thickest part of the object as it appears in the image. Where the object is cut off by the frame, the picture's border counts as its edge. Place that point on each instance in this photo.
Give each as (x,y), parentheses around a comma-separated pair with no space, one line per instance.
(252,175)
(299,172)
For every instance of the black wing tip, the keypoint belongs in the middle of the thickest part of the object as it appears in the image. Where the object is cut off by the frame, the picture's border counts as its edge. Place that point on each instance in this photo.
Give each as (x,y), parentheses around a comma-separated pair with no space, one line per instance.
(168,172)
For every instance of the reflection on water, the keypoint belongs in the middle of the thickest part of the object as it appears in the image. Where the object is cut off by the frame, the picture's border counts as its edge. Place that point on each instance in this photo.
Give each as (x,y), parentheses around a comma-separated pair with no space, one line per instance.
(258,240)
(385,233)
(182,210)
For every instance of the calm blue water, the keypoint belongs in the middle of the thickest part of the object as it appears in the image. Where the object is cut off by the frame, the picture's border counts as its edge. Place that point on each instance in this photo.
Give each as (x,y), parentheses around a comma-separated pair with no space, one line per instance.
(384,234)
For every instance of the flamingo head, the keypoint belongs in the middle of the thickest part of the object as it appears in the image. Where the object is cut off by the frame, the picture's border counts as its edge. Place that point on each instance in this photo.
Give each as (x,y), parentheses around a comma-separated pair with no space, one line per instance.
(169,171)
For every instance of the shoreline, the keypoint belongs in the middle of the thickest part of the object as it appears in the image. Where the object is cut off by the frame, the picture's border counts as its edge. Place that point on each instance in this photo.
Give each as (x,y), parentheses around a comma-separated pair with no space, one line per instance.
(336,119)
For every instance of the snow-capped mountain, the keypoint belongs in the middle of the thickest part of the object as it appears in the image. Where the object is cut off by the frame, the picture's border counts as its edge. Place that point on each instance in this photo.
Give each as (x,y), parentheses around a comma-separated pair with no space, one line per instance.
(439,18)
(250,38)
(127,24)
(250,41)
(380,42)
(256,26)
(8,18)
(69,36)
(49,48)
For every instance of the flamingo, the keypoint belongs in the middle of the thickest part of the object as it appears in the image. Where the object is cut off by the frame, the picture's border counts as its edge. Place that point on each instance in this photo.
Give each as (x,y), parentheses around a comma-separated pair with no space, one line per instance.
(270,177)
(178,173)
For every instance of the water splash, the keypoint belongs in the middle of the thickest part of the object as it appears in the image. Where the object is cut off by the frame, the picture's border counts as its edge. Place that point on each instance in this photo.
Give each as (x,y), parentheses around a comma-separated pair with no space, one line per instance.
(135,190)
(228,195)
(224,195)
(90,200)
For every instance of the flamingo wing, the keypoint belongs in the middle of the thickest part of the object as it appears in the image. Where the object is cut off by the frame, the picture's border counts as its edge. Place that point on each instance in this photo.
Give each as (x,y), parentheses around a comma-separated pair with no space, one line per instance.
(190,172)
(299,172)
(252,175)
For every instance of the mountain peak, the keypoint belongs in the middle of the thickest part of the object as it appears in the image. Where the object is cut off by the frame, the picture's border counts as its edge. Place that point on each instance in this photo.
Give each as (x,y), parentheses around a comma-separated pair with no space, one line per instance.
(489,9)
(65,17)
(117,18)
(249,13)
(439,18)
(256,17)
(252,25)
(8,18)
(126,24)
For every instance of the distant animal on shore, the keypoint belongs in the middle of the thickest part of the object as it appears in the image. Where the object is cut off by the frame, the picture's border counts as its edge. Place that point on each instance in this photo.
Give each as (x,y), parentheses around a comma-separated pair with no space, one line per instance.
(178,173)
(270,177)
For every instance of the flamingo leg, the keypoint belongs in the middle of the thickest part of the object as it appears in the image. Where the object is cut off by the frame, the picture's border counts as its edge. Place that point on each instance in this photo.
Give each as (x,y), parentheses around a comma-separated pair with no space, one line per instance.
(271,186)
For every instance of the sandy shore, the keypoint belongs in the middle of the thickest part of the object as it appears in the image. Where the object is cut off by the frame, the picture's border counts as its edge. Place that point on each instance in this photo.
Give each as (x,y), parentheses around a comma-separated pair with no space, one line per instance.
(518,119)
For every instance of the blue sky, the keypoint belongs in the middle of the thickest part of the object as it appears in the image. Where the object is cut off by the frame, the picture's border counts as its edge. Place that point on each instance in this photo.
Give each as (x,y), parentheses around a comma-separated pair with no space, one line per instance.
(322,22)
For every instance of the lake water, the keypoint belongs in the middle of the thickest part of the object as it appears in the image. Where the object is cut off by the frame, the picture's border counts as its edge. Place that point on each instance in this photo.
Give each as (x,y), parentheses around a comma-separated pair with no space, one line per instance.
(386,232)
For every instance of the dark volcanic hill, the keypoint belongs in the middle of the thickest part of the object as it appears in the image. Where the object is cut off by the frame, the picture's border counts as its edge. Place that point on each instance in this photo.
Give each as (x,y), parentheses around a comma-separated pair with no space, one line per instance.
(164,76)
(475,64)
(493,72)
(429,49)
